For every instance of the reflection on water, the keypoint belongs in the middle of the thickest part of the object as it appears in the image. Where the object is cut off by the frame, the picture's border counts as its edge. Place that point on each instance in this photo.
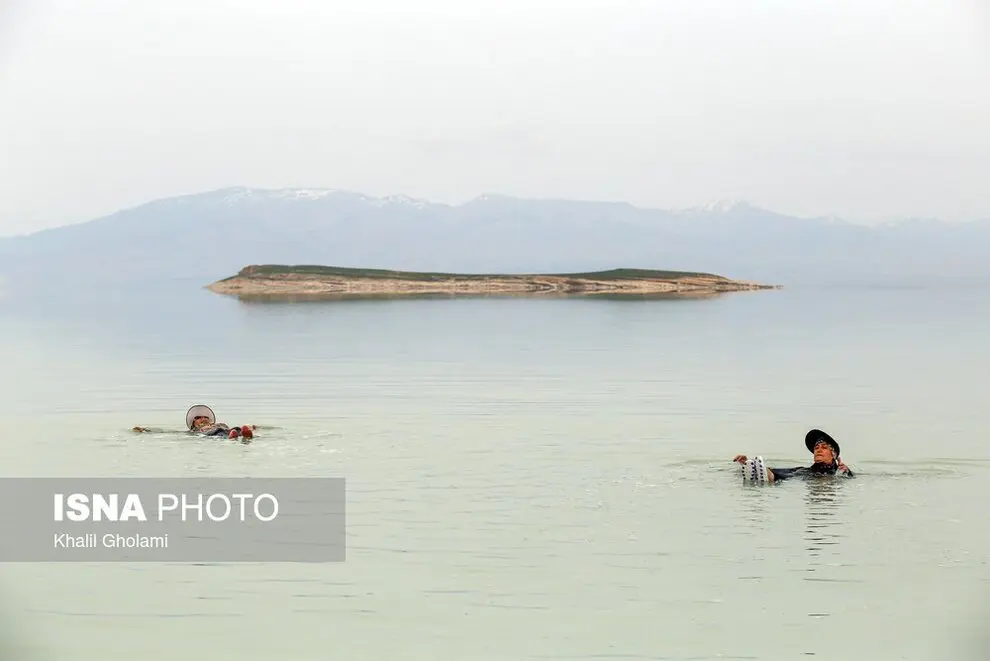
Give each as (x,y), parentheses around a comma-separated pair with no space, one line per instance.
(330,297)
(823,531)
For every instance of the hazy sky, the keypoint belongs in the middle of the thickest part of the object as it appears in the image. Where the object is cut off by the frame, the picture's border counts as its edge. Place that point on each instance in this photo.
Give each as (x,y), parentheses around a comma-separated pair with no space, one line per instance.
(868,109)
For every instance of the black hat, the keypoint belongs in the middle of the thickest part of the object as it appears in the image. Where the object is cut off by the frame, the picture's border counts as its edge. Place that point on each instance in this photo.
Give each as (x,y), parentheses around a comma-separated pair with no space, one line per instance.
(816,435)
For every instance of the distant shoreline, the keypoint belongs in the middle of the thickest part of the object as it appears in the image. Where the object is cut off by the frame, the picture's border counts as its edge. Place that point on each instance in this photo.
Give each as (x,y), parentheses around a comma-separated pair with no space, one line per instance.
(276,281)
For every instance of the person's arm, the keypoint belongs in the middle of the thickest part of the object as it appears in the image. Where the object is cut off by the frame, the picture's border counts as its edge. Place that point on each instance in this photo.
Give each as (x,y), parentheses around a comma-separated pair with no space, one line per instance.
(784,473)
(775,473)
(215,429)
(845,469)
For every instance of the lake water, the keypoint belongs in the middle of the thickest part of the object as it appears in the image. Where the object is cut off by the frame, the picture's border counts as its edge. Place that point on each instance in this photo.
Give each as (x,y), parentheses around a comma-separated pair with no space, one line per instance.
(527,479)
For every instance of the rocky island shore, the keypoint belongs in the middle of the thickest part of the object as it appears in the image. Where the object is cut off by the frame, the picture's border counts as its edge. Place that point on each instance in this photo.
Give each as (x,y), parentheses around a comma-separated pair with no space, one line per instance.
(274,281)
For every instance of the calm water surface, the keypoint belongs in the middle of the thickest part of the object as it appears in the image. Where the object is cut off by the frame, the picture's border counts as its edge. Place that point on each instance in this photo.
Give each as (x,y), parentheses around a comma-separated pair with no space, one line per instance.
(527,479)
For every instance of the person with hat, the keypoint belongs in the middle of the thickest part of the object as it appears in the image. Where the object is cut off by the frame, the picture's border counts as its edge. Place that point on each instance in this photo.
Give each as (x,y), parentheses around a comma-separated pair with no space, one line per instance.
(825,452)
(201,420)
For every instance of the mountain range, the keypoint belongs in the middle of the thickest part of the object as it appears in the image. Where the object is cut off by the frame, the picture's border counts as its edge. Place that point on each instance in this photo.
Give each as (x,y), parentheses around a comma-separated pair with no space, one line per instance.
(197,239)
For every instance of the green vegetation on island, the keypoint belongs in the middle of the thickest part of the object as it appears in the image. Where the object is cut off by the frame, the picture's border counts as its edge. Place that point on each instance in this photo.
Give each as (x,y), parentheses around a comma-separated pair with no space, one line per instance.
(263,270)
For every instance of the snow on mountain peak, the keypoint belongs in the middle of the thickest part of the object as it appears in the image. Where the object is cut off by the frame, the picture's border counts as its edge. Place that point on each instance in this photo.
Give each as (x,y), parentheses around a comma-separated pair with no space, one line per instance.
(237,195)
(397,200)
(241,195)
(723,205)
(304,193)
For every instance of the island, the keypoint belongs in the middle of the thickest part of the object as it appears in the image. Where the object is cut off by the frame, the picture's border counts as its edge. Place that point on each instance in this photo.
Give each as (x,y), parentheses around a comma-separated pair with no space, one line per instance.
(283,282)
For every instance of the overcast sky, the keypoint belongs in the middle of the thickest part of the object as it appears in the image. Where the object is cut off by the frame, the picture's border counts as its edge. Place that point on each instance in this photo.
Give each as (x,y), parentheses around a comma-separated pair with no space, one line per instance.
(868,109)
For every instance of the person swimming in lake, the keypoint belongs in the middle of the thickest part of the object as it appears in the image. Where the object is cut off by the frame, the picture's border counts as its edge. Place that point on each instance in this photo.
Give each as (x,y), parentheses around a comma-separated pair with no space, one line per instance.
(825,452)
(200,419)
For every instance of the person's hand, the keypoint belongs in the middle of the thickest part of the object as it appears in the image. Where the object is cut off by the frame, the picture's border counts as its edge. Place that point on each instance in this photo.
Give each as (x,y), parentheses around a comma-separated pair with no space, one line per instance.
(740,458)
(843,467)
